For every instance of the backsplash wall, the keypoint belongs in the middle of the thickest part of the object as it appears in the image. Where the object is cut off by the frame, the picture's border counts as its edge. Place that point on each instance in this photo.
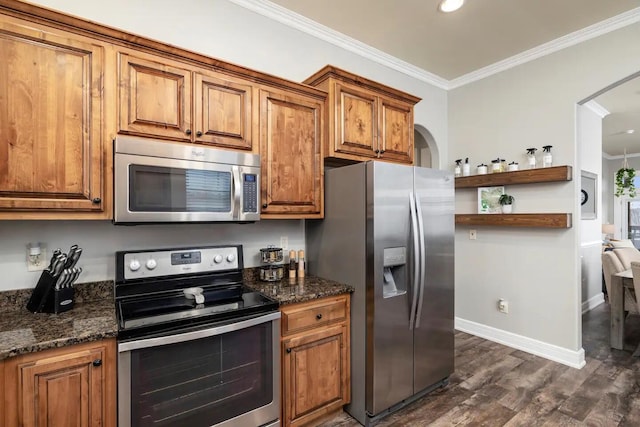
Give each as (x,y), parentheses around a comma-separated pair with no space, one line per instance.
(101,239)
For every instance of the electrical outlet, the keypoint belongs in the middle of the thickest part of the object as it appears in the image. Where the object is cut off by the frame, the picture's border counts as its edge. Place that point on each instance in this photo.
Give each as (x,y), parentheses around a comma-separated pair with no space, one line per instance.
(472,234)
(36,257)
(503,306)
(284,242)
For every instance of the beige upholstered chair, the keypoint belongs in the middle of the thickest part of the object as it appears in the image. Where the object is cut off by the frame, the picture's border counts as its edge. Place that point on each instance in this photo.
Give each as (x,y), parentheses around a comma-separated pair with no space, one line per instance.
(635,269)
(627,256)
(611,265)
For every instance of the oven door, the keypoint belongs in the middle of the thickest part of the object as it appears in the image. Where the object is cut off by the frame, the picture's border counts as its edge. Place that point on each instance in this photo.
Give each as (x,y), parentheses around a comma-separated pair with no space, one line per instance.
(224,375)
(157,189)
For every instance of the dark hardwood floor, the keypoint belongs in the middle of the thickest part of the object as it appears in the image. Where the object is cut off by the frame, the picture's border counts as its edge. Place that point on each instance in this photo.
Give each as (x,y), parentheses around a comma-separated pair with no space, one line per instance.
(494,385)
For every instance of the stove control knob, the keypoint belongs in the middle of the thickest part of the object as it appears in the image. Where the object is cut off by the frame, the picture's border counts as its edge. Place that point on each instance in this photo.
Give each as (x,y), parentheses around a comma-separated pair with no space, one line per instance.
(231,257)
(134,265)
(217,259)
(151,264)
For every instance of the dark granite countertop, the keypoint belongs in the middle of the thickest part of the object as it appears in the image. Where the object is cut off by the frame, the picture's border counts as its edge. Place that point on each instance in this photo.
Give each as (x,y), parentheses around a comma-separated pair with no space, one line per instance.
(93,317)
(294,291)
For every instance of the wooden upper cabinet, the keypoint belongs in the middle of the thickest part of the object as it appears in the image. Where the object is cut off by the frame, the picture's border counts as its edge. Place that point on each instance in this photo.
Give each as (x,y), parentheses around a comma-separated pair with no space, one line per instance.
(367,120)
(73,386)
(51,120)
(396,132)
(222,112)
(155,98)
(170,100)
(291,128)
(356,121)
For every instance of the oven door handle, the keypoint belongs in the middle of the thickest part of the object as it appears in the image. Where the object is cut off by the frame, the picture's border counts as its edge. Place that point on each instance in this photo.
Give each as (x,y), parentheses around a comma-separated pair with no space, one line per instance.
(194,335)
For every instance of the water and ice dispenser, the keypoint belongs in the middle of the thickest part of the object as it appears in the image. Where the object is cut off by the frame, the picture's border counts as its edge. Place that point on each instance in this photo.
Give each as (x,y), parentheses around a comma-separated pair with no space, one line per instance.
(395,272)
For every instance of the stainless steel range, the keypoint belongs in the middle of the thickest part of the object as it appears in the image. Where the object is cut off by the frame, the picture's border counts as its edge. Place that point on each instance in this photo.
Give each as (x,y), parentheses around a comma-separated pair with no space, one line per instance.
(195,347)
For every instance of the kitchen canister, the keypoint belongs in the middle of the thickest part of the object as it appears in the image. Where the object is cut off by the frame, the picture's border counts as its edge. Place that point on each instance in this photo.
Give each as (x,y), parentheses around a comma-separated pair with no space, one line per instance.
(513,166)
(482,169)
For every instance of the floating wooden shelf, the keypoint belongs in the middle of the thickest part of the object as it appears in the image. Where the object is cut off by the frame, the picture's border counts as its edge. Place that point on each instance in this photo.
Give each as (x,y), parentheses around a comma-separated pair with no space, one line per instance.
(526,176)
(534,220)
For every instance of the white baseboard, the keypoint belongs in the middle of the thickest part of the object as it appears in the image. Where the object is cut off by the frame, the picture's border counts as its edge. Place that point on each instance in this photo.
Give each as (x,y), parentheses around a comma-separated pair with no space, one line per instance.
(572,358)
(592,302)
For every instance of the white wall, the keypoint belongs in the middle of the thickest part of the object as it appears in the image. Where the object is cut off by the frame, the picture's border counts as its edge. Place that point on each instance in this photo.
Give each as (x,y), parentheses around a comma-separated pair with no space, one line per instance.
(589,132)
(531,105)
(226,31)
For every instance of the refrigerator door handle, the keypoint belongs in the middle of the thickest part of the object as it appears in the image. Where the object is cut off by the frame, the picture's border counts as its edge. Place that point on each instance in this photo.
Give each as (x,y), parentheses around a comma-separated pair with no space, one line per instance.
(423,259)
(416,259)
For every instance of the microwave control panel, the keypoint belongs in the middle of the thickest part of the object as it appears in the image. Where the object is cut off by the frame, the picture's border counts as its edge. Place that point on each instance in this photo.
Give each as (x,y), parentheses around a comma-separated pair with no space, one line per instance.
(250,192)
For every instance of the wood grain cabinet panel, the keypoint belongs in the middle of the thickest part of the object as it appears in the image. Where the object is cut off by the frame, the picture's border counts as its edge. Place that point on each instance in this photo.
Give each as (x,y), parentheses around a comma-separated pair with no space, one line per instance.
(290,148)
(396,134)
(367,120)
(51,120)
(222,112)
(155,98)
(315,359)
(356,121)
(72,386)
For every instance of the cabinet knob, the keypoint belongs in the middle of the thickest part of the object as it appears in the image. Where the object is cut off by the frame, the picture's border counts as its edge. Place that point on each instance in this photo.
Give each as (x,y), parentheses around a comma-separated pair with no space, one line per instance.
(97,362)
(377,151)
(188,131)
(319,316)
(96,200)
(199,133)
(381,151)
(264,206)
(288,350)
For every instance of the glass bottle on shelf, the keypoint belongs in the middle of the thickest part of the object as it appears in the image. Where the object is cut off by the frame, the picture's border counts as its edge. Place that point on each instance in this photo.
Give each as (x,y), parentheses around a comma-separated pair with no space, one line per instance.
(531,157)
(466,167)
(547,158)
(457,171)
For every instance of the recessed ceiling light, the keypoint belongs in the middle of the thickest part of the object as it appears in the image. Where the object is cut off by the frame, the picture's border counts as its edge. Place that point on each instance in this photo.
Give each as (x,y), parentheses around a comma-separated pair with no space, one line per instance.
(450,5)
(629,131)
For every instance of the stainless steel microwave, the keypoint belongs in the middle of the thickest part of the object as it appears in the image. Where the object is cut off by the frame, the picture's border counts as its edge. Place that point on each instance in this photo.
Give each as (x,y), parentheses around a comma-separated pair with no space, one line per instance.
(157,181)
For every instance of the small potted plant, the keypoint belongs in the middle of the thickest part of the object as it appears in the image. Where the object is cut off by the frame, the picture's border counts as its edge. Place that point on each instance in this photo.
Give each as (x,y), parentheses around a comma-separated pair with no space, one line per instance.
(506,201)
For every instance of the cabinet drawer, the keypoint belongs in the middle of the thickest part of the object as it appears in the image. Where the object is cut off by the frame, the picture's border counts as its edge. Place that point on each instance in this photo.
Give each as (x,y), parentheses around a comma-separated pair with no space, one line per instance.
(300,317)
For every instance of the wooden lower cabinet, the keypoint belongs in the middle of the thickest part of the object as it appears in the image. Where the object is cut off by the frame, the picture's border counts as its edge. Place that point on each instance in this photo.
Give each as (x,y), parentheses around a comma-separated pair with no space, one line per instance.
(315,360)
(67,387)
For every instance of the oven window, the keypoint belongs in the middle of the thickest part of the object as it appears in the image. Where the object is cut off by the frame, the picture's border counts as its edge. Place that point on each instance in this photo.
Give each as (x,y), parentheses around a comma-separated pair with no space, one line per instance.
(202,382)
(161,189)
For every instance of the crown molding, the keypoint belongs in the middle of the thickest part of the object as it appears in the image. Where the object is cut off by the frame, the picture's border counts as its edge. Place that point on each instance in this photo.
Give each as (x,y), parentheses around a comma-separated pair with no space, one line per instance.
(306,25)
(597,108)
(616,22)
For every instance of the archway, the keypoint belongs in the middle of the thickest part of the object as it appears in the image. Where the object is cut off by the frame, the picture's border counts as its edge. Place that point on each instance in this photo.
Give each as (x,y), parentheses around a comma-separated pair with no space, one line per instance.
(426,150)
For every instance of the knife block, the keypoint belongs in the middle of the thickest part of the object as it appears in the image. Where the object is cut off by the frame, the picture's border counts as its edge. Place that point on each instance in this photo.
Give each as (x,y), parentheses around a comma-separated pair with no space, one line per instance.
(45,298)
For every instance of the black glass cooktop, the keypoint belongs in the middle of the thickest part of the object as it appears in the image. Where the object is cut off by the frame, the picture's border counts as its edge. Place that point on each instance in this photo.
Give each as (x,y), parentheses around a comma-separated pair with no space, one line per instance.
(168,311)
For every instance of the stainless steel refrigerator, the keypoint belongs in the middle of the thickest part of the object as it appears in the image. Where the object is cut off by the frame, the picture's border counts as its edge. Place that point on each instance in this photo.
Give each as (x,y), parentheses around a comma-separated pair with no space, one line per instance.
(388,231)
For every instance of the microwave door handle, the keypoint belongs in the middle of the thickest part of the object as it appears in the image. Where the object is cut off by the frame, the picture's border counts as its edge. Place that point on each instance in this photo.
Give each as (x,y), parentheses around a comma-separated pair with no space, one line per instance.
(235,192)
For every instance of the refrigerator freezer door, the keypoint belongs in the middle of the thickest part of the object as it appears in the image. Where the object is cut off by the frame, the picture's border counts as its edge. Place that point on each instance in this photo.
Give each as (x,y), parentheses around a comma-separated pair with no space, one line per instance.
(433,338)
(389,339)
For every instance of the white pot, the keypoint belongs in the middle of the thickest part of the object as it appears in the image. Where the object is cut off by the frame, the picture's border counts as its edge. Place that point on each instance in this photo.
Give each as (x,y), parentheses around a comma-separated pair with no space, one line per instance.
(507,209)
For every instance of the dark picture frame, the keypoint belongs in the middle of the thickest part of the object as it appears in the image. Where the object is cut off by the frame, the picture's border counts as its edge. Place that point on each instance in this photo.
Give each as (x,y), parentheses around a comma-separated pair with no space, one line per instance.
(588,195)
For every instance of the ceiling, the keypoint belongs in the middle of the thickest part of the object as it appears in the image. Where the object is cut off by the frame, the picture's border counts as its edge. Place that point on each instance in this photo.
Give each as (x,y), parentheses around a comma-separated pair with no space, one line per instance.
(481,33)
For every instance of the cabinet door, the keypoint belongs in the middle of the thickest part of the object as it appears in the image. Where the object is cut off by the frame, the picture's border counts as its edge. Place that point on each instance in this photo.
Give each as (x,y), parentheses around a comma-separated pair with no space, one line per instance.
(356,121)
(63,387)
(222,109)
(315,374)
(396,131)
(290,148)
(155,98)
(51,112)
